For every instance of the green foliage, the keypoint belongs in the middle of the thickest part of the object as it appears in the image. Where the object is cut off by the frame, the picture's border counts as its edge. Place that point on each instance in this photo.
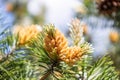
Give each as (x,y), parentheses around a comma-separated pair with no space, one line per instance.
(15,70)
(103,70)
(90,5)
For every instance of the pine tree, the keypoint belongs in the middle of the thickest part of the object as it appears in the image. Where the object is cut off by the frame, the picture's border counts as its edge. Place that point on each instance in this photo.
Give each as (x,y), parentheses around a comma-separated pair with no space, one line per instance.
(32,54)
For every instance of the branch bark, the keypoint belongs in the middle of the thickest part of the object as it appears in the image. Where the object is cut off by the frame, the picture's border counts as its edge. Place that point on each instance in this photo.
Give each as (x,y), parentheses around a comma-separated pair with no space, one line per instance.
(45,75)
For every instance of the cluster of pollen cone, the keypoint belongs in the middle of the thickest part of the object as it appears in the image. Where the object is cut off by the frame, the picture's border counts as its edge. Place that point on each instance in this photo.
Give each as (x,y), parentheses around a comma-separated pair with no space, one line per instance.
(57,45)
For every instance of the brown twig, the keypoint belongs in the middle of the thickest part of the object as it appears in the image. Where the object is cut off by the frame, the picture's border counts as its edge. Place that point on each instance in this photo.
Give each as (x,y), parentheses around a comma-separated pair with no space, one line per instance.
(45,75)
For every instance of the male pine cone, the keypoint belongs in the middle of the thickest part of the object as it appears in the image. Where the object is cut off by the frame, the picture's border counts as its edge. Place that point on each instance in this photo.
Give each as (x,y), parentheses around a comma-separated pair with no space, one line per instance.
(25,34)
(55,44)
(57,48)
